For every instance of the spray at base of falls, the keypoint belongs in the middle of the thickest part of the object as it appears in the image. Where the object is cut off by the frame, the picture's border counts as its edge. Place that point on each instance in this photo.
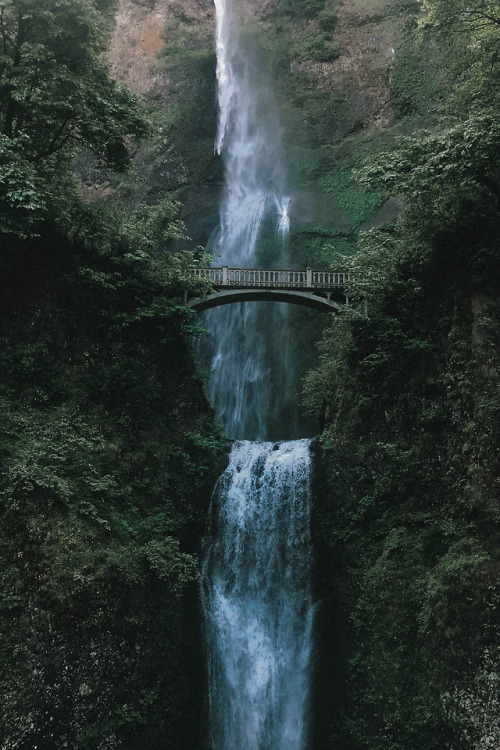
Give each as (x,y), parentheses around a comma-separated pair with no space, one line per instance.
(257,599)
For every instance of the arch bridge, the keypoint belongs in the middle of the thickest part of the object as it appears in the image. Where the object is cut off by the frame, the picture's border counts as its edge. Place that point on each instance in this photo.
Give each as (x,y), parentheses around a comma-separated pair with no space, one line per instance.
(322,290)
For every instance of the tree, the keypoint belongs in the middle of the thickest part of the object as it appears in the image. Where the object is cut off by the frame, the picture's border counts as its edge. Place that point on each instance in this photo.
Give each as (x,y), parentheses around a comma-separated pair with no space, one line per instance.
(478,12)
(469,34)
(55,87)
(56,95)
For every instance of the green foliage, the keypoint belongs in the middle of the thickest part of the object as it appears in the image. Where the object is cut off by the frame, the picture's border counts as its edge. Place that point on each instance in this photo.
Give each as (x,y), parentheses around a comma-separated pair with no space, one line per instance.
(184,40)
(357,202)
(468,34)
(56,95)
(476,15)
(21,188)
(419,77)
(311,26)
(108,450)
(187,120)
(327,20)
(55,87)
(304,9)
(108,454)
(323,247)
(407,520)
(460,160)
(319,47)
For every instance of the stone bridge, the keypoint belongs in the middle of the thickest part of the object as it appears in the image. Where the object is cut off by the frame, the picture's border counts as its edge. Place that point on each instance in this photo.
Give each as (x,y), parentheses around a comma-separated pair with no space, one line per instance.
(322,290)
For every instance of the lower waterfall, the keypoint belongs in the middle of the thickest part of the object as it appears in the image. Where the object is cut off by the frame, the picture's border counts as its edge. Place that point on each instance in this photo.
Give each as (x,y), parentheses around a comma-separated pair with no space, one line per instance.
(257,599)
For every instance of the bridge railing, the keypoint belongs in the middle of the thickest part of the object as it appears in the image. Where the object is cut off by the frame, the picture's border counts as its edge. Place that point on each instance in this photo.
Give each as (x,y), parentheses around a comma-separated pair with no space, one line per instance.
(247,277)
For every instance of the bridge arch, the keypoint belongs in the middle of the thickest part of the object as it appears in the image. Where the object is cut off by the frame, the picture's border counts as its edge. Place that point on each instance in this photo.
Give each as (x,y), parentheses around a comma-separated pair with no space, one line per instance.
(296,297)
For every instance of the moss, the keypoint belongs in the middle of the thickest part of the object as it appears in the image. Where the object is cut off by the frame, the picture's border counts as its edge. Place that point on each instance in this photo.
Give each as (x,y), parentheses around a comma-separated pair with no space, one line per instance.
(319,47)
(417,81)
(184,39)
(356,203)
(300,8)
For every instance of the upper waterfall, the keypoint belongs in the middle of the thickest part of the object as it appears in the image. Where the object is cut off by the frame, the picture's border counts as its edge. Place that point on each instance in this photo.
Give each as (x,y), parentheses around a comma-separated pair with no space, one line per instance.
(252,378)
(249,141)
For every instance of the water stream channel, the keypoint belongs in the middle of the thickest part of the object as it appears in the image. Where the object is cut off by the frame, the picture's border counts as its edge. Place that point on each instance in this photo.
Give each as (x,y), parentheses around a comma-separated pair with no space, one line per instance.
(256,591)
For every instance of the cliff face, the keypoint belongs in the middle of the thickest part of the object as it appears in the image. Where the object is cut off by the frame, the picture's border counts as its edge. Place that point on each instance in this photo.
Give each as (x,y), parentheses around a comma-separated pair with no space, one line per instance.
(164,52)
(364,37)
(331,64)
(143,29)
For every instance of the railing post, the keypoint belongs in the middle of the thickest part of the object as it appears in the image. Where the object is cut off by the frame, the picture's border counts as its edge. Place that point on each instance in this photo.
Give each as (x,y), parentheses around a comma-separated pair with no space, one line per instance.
(224,275)
(309,277)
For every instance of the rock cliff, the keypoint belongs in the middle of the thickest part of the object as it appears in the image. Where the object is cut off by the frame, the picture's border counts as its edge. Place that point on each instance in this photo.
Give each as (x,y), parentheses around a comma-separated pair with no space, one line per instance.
(331,63)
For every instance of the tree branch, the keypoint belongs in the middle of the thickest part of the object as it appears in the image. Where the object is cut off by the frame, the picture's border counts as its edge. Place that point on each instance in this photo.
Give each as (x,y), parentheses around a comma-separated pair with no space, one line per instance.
(6,37)
(492,20)
(58,141)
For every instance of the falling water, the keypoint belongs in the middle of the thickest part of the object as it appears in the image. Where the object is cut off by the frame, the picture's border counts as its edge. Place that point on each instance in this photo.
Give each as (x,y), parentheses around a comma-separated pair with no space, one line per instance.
(257,599)
(251,383)
(256,577)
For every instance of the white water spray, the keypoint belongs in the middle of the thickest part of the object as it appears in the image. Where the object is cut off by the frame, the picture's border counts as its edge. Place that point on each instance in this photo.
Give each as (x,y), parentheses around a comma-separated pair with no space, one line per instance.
(257,599)
(251,383)
(284,218)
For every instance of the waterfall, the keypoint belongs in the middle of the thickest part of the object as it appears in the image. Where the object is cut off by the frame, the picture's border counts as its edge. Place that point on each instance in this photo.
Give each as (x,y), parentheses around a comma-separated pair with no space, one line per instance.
(256,590)
(257,599)
(252,380)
